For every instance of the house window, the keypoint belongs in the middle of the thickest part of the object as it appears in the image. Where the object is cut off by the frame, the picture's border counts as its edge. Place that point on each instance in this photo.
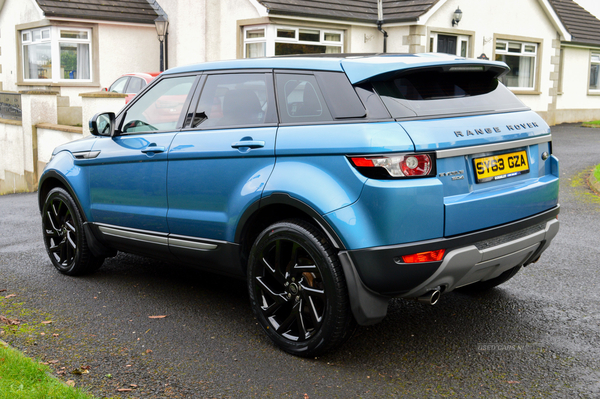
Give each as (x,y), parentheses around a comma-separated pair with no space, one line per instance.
(521,57)
(270,40)
(595,72)
(449,44)
(56,54)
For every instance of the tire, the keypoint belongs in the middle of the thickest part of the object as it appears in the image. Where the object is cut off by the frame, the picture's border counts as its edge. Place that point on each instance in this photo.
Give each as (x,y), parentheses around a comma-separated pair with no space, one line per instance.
(64,237)
(487,285)
(297,289)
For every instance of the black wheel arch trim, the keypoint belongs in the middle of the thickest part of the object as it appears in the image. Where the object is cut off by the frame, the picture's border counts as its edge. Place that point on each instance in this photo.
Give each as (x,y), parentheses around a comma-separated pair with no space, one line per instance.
(286,199)
(65,183)
(95,245)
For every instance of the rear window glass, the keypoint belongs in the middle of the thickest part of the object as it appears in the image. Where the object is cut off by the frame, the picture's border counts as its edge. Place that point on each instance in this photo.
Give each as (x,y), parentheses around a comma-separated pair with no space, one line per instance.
(437,92)
(300,99)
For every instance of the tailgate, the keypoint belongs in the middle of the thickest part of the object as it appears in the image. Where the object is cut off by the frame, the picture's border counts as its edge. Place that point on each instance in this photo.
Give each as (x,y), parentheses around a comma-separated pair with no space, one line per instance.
(494,169)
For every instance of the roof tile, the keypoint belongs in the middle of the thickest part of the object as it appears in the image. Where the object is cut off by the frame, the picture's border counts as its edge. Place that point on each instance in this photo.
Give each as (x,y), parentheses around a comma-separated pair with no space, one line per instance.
(133,11)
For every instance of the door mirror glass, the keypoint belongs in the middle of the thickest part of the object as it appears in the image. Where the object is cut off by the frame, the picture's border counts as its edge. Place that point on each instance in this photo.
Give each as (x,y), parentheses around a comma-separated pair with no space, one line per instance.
(103,124)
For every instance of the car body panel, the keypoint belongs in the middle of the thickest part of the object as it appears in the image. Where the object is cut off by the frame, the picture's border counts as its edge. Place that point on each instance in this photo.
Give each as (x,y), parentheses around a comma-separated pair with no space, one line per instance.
(362,68)
(210,183)
(128,182)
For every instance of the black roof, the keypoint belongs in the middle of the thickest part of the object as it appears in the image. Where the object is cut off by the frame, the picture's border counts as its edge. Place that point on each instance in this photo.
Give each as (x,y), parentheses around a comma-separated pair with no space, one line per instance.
(583,26)
(133,11)
(351,10)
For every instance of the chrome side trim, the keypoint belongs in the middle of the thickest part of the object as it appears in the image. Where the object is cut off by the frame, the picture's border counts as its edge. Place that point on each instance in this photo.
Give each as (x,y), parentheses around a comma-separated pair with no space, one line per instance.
(134,235)
(160,238)
(459,152)
(86,154)
(188,244)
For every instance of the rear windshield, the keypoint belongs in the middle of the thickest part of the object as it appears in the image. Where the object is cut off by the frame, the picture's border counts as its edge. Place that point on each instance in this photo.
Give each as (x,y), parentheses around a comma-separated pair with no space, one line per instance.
(438,92)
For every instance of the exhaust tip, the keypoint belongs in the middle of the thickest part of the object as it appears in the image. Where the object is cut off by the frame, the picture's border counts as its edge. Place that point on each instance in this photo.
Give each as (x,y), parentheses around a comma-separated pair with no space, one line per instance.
(431,298)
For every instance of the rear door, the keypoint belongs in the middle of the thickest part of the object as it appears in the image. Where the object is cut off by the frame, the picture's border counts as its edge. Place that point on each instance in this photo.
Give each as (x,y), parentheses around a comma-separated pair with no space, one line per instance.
(219,164)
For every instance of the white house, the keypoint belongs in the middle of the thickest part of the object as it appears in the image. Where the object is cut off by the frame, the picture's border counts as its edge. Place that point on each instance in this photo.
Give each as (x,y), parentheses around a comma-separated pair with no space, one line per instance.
(70,47)
(552,46)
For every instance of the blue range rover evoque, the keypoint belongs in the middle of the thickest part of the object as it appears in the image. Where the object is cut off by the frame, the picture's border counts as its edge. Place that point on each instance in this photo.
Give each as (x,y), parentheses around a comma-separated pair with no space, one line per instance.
(331,184)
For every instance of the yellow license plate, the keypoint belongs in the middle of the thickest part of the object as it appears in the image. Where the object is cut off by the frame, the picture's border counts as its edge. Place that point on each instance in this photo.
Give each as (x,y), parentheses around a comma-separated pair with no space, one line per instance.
(498,167)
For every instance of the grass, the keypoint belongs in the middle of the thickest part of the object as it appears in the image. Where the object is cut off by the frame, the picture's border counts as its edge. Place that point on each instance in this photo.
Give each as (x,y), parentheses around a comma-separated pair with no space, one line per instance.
(597,172)
(591,124)
(22,378)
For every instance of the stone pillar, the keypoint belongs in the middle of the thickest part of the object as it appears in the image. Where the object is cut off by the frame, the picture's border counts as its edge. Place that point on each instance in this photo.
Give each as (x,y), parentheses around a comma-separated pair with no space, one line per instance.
(555,73)
(99,101)
(414,39)
(37,106)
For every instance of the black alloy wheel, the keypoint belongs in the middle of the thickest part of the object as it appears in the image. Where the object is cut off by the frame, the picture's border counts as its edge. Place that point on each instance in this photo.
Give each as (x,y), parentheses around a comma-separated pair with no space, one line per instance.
(298,290)
(64,237)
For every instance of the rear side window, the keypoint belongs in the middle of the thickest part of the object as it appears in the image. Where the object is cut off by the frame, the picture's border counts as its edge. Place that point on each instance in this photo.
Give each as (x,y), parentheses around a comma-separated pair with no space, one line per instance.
(231,100)
(439,92)
(340,96)
(300,99)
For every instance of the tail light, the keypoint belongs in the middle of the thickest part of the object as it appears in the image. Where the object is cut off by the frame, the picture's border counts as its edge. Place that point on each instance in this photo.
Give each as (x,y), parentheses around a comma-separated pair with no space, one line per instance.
(395,166)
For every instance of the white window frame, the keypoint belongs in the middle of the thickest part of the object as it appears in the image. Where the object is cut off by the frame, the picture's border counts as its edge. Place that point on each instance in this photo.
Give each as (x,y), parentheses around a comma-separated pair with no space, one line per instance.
(53,34)
(270,37)
(460,39)
(594,61)
(504,43)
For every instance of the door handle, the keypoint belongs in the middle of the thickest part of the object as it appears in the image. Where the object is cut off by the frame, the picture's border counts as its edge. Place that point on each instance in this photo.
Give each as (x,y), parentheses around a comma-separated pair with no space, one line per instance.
(153,149)
(248,144)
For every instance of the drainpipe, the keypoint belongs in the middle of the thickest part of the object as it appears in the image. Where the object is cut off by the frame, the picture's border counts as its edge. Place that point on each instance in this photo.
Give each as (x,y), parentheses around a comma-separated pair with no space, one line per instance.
(380,22)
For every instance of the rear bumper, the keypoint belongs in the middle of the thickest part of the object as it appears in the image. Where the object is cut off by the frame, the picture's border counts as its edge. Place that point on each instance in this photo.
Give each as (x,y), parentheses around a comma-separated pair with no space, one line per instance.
(376,274)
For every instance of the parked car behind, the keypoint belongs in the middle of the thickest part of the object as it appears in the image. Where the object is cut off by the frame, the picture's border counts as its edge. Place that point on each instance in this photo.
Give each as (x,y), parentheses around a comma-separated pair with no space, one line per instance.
(132,83)
(331,184)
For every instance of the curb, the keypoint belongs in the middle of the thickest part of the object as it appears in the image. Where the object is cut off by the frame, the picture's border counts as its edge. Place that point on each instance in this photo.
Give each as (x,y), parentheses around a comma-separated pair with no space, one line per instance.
(593,182)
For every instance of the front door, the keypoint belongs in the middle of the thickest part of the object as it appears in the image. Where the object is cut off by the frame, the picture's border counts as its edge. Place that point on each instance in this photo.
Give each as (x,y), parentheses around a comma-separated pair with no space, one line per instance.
(446,44)
(128,183)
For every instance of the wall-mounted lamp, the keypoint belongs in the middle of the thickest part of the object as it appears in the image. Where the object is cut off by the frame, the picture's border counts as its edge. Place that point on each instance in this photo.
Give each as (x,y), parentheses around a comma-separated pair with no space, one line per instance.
(456,17)
(162,29)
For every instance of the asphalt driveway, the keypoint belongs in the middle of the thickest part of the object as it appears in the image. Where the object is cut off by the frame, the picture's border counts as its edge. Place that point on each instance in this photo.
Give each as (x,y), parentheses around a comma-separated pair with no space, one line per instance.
(536,336)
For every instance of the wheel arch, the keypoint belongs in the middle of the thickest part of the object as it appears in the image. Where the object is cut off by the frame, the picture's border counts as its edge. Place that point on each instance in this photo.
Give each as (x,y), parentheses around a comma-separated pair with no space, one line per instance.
(274,208)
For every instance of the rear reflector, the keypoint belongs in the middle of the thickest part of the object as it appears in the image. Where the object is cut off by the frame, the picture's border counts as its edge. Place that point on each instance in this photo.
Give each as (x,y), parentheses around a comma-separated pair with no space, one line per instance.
(429,256)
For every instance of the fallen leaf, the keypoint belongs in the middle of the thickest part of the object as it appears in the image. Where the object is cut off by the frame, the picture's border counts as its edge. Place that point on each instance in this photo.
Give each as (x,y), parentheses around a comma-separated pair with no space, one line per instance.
(124,390)
(148,351)
(10,322)
(2,290)
(10,296)
(52,361)
(47,322)
(55,335)
(157,317)
(80,371)
(514,382)
(70,383)
(133,385)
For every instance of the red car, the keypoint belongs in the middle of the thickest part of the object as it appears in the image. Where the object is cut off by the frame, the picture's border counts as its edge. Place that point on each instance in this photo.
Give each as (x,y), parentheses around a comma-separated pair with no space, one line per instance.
(132,83)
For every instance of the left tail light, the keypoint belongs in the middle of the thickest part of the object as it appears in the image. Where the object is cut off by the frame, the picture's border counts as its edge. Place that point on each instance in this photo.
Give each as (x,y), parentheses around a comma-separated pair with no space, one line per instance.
(395,166)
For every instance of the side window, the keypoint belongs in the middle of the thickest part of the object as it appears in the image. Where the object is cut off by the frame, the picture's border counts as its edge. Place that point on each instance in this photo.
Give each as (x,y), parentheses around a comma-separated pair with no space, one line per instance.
(160,107)
(119,85)
(300,99)
(231,100)
(135,85)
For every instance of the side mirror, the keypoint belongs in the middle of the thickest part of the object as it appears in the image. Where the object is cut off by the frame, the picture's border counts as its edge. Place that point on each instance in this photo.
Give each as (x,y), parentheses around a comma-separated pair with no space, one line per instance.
(103,124)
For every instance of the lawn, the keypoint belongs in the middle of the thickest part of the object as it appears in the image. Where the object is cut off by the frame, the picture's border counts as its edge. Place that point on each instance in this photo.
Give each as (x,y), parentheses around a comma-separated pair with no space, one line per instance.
(22,378)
